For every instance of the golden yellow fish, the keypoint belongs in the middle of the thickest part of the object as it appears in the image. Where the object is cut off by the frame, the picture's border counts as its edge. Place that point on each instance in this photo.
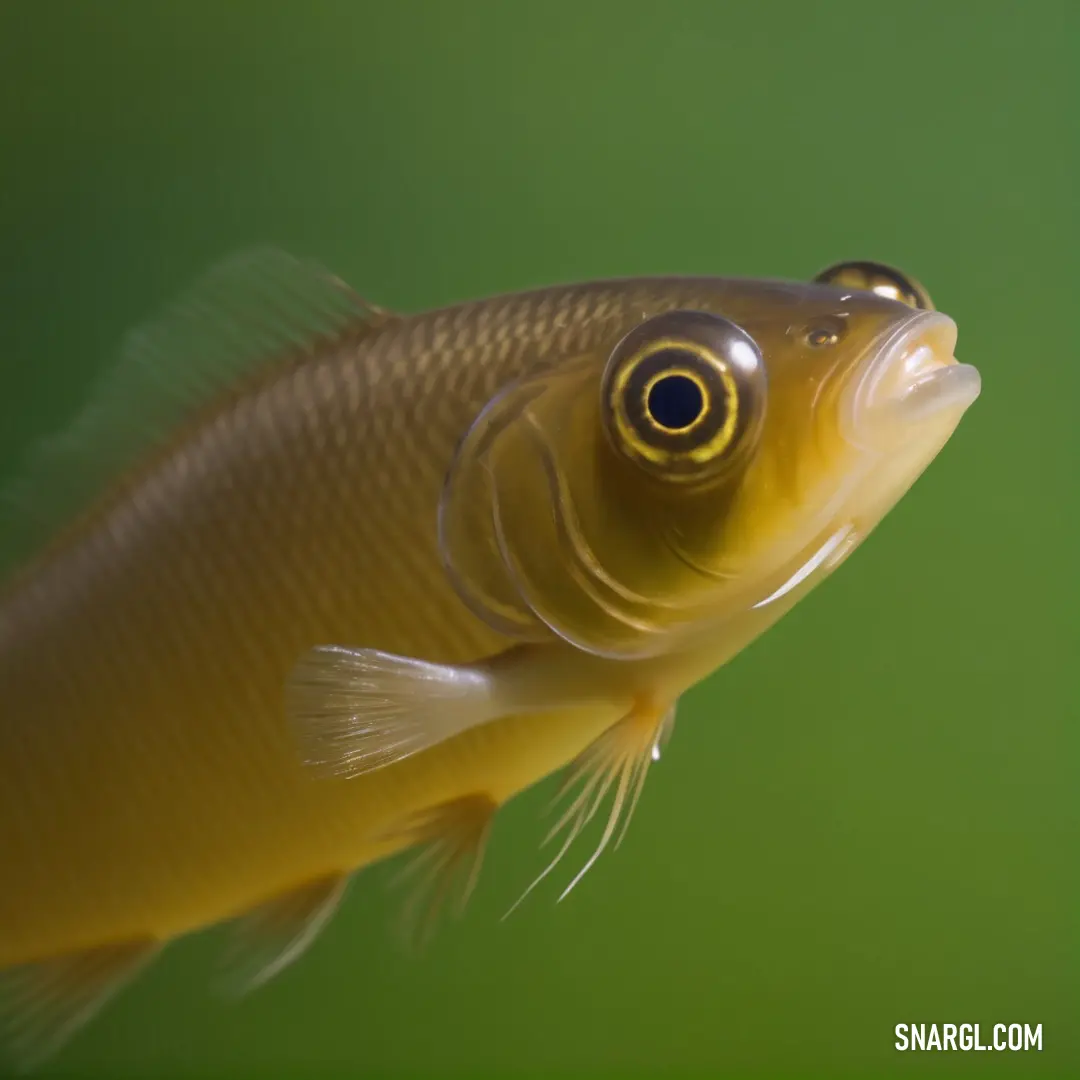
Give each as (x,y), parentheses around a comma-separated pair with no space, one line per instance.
(313,582)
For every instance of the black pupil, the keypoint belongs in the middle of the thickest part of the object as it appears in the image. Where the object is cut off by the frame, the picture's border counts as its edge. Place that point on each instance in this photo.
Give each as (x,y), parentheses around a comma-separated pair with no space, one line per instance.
(675,402)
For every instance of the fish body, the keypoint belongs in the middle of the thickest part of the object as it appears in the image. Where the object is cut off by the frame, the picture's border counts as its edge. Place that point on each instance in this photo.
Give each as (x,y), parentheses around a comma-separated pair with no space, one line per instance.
(425,505)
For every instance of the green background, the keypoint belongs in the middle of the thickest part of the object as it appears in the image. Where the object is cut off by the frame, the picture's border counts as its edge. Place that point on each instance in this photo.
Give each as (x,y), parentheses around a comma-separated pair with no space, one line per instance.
(871,815)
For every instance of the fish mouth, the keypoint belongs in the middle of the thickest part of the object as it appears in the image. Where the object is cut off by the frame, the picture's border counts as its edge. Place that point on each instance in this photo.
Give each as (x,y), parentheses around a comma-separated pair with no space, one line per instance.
(909,381)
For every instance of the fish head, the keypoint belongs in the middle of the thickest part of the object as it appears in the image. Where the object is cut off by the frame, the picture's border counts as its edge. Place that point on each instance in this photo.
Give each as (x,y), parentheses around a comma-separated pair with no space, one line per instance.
(716,454)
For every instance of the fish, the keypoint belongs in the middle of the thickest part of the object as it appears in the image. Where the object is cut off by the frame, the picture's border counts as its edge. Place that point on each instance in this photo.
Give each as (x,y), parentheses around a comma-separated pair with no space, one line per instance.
(310,582)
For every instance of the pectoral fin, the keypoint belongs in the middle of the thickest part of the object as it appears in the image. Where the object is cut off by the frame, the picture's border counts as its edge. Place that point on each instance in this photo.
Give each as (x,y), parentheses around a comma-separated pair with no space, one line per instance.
(356,710)
(268,939)
(43,1004)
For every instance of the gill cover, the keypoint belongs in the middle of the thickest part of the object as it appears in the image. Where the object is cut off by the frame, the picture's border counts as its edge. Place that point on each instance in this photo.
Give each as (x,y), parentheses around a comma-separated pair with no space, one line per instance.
(562,506)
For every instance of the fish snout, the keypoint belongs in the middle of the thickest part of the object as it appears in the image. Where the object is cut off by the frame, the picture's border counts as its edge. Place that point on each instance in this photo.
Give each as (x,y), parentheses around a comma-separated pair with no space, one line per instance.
(909,382)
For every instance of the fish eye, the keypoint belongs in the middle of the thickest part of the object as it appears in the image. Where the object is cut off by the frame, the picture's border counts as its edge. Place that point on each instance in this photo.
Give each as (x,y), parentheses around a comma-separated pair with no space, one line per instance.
(675,400)
(683,394)
(877,278)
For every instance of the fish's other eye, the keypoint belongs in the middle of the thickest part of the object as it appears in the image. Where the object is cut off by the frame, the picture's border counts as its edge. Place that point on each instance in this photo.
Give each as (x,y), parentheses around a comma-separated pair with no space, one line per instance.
(684,395)
(877,278)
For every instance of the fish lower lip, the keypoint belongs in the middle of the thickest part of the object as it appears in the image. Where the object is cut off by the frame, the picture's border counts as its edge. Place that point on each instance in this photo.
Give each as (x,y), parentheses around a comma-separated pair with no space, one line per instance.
(952,387)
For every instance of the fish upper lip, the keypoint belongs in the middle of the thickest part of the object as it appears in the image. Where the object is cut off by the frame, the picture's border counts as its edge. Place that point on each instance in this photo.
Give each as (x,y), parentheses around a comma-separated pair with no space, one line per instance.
(908,377)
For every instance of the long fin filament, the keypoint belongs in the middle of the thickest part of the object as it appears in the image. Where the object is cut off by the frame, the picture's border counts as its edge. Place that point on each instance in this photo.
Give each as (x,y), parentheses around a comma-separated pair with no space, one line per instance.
(619,759)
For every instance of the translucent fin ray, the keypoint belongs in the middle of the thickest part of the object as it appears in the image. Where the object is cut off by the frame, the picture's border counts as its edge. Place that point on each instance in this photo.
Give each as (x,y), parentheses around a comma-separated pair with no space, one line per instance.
(357,710)
(252,311)
(452,838)
(42,1005)
(271,937)
(618,761)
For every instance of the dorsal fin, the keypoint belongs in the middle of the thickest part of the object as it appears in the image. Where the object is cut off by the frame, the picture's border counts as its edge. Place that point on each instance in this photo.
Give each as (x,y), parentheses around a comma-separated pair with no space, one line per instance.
(250,311)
